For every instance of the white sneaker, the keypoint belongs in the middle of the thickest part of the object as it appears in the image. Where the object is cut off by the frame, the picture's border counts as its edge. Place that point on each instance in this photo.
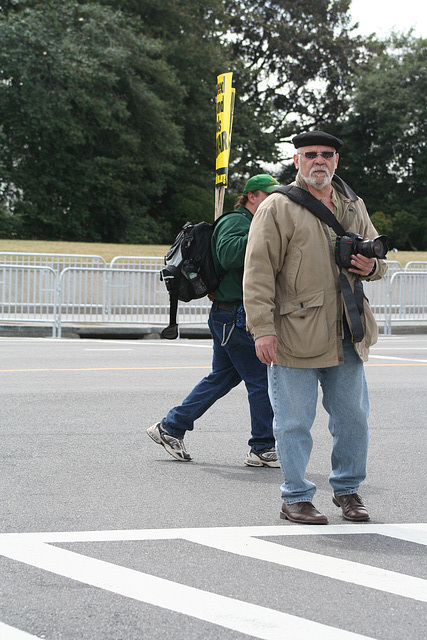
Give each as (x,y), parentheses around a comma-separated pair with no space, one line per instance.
(266,458)
(174,446)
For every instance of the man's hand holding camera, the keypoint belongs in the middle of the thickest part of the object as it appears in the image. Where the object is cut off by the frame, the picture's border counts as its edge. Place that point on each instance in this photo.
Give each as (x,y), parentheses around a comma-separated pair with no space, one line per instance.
(361,265)
(358,255)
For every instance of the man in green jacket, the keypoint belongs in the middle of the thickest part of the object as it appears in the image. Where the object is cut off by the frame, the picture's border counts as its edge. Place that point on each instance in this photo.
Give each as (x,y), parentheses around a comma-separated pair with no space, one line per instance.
(234,358)
(306,333)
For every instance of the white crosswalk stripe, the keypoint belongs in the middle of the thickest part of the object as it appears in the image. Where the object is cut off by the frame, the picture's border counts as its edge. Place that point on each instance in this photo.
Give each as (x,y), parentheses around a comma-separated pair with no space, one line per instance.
(10,633)
(234,614)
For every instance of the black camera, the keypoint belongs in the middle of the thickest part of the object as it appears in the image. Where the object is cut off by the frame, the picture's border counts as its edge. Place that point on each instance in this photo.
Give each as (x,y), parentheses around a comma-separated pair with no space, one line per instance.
(352,243)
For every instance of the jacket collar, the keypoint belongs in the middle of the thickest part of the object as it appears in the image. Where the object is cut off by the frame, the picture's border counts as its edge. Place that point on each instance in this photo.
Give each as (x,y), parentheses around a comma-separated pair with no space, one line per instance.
(343,188)
(339,184)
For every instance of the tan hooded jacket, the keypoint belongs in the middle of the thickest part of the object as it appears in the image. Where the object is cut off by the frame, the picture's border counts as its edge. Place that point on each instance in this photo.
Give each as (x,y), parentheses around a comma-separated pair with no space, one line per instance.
(290,283)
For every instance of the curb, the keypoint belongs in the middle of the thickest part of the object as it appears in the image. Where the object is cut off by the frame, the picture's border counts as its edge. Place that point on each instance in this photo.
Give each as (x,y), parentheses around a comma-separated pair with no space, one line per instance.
(99,332)
(116,332)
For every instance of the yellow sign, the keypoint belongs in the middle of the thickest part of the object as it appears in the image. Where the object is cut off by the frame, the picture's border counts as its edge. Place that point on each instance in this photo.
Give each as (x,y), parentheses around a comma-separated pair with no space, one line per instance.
(224,124)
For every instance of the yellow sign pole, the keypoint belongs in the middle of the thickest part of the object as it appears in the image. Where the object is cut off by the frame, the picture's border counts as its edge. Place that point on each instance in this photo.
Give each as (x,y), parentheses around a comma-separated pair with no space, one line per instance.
(224,124)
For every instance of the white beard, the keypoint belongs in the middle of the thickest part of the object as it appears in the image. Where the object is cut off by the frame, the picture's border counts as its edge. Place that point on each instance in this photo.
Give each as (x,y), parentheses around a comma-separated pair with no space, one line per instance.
(314,182)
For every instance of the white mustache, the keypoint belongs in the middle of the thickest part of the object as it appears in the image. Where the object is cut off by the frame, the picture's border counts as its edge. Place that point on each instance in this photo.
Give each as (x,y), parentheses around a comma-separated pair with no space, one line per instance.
(321,167)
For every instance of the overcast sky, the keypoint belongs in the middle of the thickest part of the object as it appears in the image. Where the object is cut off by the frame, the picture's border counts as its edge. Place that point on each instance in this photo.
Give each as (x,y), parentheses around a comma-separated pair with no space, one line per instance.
(383,16)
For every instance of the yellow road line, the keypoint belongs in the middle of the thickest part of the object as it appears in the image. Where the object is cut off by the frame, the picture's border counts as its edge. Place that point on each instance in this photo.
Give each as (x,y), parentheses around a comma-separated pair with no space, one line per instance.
(403,364)
(102,369)
(392,364)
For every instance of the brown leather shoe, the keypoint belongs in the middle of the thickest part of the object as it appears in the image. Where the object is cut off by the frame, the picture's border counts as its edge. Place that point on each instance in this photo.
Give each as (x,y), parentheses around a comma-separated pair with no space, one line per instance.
(352,507)
(303,513)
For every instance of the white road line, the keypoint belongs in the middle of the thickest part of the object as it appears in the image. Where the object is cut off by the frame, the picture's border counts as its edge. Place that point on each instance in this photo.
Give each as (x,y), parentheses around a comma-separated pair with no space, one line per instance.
(328,566)
(10,633)
(410,532)
(109,349)
(244,617)
(253,620)
(373,355)
(377,348)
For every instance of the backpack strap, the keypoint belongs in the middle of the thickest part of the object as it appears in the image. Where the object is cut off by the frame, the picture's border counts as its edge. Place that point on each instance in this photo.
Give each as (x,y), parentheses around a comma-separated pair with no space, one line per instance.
(171,331)
(226,213)
(352,300)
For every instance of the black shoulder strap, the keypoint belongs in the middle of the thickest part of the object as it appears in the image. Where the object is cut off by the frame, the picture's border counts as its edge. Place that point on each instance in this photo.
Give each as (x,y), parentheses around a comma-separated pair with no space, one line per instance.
(314,205)
(352,300)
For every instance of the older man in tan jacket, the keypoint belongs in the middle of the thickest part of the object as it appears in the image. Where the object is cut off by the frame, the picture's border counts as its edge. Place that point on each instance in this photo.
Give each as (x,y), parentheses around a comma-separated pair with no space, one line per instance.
(304,331)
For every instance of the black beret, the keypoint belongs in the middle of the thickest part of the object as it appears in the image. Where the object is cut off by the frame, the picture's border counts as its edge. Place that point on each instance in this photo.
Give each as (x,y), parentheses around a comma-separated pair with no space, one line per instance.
(317,137)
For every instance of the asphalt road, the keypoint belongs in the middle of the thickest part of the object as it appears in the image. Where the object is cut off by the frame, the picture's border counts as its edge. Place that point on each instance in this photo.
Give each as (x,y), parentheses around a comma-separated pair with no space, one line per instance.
(104,536)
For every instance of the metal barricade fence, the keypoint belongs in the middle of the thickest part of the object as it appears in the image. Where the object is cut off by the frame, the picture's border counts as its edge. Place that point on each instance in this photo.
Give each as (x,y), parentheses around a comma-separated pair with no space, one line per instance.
(377,290)
(56,261)
(131,296)
(416,266)
(407,298)
(194,312)
(393,266)
(28,294)
(125,294)
(110,295)
(153,263)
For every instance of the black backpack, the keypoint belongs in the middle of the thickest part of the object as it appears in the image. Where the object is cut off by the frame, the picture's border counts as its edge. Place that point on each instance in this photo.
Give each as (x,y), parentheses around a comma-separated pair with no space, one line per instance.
(189,271)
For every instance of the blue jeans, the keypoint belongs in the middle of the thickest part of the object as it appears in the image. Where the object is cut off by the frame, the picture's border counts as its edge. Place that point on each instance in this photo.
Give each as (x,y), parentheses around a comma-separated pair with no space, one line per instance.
(293,394)
(231,363)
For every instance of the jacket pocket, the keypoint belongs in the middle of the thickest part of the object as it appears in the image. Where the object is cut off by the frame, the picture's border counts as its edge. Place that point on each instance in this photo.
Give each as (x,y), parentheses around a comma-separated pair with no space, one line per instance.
(304,327)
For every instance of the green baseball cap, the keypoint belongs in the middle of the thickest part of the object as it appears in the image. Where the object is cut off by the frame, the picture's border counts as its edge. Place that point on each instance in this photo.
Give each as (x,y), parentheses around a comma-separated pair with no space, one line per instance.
(261,182)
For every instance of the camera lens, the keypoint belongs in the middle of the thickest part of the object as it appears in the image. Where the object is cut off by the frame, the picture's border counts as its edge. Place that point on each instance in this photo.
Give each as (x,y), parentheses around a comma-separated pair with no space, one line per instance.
(376,248)
(379,247)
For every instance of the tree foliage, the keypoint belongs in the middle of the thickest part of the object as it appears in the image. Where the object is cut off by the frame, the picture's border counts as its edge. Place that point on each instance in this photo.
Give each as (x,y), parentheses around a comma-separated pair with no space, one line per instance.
(108,109)
(298,55)
(385,133)
(87,107)
(190,33)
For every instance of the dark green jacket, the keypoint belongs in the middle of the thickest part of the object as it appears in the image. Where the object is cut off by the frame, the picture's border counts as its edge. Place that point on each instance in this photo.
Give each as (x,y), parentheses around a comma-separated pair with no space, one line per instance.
(229,241)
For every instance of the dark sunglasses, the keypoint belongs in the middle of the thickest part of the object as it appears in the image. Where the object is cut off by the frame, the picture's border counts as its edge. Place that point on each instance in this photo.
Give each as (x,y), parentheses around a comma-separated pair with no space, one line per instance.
(310,155)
